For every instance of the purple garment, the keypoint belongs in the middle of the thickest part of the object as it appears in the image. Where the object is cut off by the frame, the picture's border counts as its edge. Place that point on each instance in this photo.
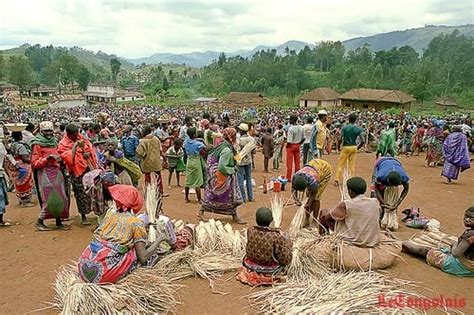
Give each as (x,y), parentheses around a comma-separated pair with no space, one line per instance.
(456,155)
(220,199)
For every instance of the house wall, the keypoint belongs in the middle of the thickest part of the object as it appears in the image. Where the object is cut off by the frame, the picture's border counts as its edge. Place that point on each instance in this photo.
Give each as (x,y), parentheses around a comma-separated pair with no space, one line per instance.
(105,90)
(325,104)
(353,104)
(130,98)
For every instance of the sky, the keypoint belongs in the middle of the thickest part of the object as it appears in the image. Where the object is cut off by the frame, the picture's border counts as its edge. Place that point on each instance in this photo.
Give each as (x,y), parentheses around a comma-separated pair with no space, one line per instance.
(139,28)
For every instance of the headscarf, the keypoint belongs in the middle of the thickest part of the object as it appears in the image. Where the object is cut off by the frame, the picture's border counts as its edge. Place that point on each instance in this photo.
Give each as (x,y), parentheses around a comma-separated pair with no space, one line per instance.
(230,134)
(204,123)
(46,125)
(126,198)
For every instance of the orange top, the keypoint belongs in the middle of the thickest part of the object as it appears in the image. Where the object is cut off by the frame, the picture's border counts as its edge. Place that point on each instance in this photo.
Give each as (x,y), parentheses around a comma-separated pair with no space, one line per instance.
(77,164)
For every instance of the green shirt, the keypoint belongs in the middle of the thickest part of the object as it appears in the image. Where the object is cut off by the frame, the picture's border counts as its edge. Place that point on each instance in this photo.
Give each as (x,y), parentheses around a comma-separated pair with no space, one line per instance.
(349,135)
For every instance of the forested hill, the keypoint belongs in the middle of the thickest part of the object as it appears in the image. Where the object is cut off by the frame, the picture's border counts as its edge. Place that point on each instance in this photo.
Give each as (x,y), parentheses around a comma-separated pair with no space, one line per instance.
(418,38)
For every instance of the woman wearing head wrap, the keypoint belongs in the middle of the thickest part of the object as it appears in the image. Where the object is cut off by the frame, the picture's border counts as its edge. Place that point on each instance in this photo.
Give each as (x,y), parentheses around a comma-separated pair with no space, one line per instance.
(48,170)
(21,173)
(119,242)
(435,138)
(222,194)
(456,155)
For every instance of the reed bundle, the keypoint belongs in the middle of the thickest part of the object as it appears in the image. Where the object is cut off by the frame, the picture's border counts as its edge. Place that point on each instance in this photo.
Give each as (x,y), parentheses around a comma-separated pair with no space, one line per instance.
(389,219)
(312,256)
(277,206)
(434,239)
(352,292)
(130,295)
(152,199)
(297,222)
(214,237)
(343,186)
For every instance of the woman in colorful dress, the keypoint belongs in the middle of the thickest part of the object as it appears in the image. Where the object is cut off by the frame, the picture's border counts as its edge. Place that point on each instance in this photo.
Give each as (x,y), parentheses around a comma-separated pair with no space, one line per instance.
(119,242)
(51,184)
(222,194)
(435,139)
(22,173)
(456,155)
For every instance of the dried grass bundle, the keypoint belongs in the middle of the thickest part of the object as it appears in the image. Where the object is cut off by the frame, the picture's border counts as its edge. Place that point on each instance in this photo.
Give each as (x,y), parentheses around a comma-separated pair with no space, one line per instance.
(297,222)
(141,292)
(343,186)
(352,292)
(277,206)
(434,240)
(312,256)
(389,219)
(152,199)
(213,236)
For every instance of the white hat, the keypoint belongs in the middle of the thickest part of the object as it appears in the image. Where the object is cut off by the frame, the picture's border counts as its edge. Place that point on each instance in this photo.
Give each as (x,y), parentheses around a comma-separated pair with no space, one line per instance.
(323,112)
(244,127)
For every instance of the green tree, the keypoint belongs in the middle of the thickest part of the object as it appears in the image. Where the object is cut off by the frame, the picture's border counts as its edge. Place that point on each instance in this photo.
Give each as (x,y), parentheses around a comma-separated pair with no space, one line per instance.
(2,67)
(20,72)
(66,68)
(222,59)
(165,86)
(115,65)
(83,77)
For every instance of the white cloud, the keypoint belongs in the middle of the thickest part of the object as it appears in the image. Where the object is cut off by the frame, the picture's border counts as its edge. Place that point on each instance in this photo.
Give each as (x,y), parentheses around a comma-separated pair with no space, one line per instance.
(143,27)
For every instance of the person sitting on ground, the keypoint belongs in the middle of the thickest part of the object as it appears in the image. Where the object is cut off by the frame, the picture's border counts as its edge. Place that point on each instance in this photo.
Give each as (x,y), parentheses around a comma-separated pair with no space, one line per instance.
(355,223)
(457,260)
(314,178)
(119,242)
(268,251)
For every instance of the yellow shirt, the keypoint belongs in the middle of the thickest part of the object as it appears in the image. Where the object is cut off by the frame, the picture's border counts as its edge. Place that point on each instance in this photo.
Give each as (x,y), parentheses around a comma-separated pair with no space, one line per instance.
(121,228)
(321,135)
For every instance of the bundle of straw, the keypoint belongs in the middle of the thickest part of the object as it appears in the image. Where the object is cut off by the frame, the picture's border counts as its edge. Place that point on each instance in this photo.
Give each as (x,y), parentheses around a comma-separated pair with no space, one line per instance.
(434,240)
(389,219)
(213,236)
(246,150)
(297,222)
(352,292)
(343,187)
(277,206)
(130,295)
(312,256)
(152,198)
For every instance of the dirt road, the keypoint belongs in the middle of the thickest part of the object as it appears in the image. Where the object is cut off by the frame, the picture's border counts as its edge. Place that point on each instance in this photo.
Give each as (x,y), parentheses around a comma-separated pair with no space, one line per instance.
(30,259)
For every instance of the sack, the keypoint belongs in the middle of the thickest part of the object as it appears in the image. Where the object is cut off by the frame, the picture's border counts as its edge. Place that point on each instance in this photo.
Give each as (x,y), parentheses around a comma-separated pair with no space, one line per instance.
(180,166)
(350,257)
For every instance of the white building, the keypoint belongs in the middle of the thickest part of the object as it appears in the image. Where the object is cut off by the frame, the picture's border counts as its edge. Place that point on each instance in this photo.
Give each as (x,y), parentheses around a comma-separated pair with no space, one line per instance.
(320,97)
(106,93)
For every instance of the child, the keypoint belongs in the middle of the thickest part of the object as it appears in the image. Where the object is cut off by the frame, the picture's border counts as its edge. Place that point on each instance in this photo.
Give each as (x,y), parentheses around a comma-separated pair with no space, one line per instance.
(268,148)
(459,259)
(174,155)
(268,251)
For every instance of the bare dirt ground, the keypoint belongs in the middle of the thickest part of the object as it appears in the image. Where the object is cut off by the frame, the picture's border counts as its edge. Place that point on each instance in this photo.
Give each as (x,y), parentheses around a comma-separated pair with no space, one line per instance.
(29,259)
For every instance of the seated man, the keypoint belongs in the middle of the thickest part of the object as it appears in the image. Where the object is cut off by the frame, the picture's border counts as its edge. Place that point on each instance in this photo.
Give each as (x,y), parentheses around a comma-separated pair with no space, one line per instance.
(268,251)
(356,223)
(314,178)
(387,176)
(459,259)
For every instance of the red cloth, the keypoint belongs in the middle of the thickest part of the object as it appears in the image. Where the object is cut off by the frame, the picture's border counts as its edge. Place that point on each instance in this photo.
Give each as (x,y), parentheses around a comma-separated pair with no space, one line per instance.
(254,279)
(126,197)
(39,157)
(78,164)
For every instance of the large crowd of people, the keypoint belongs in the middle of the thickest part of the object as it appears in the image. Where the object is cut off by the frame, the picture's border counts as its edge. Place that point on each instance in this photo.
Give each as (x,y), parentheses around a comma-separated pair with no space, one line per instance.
(103,152)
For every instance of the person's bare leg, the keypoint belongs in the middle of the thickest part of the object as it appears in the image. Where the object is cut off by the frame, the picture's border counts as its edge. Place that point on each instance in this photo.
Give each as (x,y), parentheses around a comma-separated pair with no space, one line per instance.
(177,178)
(170,177)
(186,195)
(237,219)
(414,249)
(307,216)
(316,206)
(198,194)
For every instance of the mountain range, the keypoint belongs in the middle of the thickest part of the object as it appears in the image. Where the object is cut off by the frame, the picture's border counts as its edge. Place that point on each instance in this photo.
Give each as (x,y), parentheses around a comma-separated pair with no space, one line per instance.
(418,38)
